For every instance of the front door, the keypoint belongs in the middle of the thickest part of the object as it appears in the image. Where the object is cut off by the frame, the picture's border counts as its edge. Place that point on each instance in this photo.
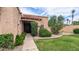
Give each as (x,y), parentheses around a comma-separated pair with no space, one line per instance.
(27,26)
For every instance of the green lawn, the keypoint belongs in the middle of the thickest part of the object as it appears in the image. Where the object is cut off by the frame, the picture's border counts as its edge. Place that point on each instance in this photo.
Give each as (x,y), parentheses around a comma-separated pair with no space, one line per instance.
(64,43)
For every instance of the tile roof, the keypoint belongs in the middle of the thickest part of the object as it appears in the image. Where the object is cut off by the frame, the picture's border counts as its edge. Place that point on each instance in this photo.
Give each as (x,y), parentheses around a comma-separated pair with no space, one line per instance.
(35,17)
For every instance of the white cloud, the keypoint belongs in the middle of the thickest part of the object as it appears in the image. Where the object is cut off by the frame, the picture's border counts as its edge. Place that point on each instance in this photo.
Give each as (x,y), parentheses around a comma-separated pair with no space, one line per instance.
(66,11)
(25,11)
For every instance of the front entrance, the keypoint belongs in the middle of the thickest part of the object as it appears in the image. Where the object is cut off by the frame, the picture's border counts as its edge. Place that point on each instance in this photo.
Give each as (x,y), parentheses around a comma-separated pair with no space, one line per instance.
(27,26)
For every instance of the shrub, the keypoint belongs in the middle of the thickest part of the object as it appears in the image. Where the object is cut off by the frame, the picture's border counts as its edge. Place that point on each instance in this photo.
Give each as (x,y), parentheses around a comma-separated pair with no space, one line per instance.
(23,35)
(76,31)
(56,23)
(34,28)
(44,32)
(19,39)
(6,41)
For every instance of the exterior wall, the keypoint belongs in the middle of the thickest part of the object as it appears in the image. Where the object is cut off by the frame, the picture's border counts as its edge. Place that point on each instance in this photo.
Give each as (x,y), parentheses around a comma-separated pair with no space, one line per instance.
(17,21)
(69,29)
(0,20)
(45,23)
(9,20)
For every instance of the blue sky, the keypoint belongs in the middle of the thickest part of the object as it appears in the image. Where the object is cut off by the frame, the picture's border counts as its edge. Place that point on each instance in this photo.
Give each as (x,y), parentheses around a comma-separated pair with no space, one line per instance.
(49,11)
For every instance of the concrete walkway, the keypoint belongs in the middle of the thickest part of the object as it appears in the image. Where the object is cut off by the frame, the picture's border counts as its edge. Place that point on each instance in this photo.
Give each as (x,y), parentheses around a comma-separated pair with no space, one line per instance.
(53,36)
(29,44)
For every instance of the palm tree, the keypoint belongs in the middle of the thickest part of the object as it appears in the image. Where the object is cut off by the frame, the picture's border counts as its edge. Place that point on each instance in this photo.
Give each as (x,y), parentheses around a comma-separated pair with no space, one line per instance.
(67,21)
(73,11)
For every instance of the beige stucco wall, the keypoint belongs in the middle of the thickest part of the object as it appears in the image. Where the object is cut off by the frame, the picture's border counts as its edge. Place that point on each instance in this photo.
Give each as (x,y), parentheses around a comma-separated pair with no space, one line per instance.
(69,29)
(45,23)
(9,20)
(0,20)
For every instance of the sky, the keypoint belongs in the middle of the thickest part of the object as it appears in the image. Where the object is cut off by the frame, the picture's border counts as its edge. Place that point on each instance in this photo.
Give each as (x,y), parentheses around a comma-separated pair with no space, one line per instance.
(50,11)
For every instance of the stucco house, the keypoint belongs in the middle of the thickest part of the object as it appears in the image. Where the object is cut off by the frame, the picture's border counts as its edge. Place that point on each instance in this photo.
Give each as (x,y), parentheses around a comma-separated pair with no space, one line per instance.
(13,21)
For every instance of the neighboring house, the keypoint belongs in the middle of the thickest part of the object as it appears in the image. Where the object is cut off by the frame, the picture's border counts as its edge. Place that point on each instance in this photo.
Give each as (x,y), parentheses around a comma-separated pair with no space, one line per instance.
(13,21)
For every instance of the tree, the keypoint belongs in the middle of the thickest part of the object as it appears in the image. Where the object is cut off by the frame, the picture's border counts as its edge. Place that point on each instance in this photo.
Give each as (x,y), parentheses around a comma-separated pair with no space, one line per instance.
(56,23)
(60,21)
(52,20)
(73,11)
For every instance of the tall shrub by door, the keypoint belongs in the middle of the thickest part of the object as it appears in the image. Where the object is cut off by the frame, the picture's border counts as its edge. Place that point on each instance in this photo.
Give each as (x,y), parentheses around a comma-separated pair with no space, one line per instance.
(34,28)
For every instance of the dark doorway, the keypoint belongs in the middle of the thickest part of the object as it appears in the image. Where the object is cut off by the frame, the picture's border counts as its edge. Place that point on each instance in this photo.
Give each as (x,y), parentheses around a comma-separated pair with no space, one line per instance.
(27,26)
